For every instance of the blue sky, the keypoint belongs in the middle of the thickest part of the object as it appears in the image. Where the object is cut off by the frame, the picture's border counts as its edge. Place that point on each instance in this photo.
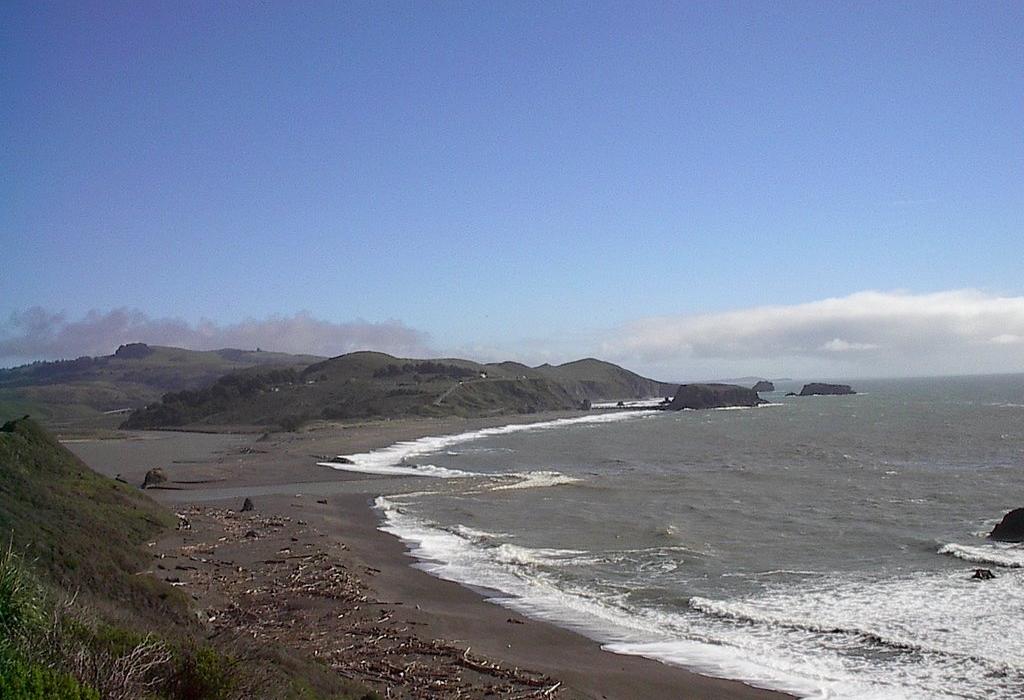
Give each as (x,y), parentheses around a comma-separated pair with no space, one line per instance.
(517,179)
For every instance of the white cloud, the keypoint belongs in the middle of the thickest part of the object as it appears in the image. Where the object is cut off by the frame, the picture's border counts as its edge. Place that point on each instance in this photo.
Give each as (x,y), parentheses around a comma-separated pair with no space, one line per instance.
(41,334)
(840,345)
(871,332)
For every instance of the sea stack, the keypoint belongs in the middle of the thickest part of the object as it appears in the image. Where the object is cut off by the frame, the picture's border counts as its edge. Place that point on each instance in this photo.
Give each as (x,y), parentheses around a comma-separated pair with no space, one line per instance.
(699,396)
(1010,528)
(822,389)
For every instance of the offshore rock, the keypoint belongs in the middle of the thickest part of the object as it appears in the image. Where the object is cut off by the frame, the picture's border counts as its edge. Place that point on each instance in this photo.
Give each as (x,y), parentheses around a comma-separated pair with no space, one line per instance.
(1010,528)
(821,389)
(698,396)
(247,505)
(764,385)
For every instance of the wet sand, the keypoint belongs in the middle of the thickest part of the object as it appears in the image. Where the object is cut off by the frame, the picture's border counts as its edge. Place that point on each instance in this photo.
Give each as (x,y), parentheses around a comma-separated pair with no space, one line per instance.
(213,473)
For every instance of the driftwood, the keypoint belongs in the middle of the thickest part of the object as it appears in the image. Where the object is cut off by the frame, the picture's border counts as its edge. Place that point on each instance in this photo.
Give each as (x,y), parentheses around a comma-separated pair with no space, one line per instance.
(312,602)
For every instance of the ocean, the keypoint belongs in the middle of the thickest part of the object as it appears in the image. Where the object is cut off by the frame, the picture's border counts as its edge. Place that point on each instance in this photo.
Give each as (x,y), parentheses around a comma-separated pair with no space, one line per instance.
(818,545)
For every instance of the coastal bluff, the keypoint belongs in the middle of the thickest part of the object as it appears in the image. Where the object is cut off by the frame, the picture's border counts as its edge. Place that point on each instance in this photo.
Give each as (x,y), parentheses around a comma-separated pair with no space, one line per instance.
(700,396)
(822,389)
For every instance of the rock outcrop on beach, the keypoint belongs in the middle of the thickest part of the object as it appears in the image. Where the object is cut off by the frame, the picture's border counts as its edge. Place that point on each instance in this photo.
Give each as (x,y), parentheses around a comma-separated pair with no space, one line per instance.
(698,396)
(154,477)
(822,389)
(764,385)
(1010,528)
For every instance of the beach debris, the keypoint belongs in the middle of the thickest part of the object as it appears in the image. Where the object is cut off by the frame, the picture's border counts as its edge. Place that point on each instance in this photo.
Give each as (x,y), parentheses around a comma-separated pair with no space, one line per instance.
(342,459)
(121,479)
(513,621)
(247,505)
(322,501)
(983,575)
(154,477)
(318,602)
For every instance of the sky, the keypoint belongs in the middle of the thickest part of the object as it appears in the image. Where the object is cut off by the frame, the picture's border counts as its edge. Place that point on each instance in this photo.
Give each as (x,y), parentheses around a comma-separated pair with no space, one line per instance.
(689,189)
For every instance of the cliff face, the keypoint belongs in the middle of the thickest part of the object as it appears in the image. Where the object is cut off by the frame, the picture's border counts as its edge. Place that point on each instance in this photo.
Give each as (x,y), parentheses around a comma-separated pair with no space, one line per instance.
(821,389)
(699,396)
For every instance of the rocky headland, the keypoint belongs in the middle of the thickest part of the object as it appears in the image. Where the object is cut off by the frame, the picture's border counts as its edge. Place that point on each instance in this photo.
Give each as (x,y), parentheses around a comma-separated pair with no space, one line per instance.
(699,396)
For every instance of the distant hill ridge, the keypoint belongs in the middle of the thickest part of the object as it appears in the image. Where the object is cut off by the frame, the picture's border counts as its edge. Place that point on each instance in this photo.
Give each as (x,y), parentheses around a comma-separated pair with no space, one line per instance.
(373,384)
(136,374)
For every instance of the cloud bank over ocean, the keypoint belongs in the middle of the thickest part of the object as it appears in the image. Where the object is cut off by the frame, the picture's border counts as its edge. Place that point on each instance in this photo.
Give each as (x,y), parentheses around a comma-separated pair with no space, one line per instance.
(869,333)
(41,334)
(863,334)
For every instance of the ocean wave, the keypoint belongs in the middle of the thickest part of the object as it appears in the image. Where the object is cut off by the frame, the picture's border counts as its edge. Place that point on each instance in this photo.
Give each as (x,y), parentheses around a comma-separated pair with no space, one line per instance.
(392,461)
(535,480)
(1005,555)
(636,403)
(399,469)
(828,636)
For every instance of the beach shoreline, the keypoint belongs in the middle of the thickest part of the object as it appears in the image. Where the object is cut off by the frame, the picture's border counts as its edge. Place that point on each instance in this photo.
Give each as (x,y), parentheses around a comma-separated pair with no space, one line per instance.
(279,473)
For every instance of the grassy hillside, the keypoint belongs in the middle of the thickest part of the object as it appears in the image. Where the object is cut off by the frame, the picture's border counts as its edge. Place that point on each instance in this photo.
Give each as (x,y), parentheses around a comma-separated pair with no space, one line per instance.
(370,384)
(82,530)
(79,618)
(87,391)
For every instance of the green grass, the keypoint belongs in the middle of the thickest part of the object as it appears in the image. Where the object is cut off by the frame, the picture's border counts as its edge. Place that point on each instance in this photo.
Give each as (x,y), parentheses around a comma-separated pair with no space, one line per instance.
(78,618)
(81,529)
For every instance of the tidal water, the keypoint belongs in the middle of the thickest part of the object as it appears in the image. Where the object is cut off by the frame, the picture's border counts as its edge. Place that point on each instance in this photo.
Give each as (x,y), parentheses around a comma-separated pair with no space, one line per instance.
(820,545)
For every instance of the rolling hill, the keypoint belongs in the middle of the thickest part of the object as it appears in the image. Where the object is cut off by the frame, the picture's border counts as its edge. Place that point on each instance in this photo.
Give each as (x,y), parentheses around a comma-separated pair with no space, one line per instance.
(89,391)
(373,385)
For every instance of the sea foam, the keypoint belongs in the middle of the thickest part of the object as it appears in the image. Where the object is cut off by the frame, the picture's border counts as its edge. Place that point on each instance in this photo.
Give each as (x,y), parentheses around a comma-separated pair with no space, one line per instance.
(395,460)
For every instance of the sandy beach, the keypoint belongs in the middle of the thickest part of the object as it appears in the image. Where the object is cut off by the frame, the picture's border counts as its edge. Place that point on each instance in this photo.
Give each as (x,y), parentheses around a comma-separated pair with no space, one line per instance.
(308,568)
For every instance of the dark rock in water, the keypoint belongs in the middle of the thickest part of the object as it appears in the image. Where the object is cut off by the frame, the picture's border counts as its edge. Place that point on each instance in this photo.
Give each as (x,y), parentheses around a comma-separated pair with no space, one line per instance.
(791,393)
(1010,528)
(821,389)
(251,534)
(620,404)
(764,385)
(154,477)
(585,405)
(247,505)
(342,460)
(983,575)
(713,396)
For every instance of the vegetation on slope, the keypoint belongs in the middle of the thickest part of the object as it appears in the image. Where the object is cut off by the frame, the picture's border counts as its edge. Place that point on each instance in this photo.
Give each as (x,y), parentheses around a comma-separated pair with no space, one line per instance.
(135,375)
(373,385)
(79,618)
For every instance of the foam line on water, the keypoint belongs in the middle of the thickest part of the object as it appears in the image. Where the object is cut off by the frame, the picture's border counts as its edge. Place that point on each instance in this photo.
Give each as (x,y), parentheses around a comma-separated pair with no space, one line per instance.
(817,639)
(1006,555)
(391,461)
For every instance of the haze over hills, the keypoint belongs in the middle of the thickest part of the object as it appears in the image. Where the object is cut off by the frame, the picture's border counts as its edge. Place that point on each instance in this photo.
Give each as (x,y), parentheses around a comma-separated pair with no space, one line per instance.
(84,389)
(371,384)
